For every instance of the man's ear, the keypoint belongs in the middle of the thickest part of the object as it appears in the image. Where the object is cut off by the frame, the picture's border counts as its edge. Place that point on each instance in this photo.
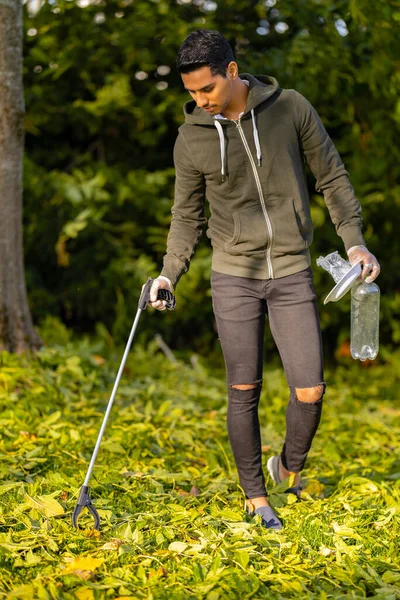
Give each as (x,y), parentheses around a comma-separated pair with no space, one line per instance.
(232,70)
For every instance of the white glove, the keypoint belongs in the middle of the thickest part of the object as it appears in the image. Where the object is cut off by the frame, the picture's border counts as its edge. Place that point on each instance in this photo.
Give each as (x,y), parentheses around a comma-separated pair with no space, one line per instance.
(160,283)
(370,266)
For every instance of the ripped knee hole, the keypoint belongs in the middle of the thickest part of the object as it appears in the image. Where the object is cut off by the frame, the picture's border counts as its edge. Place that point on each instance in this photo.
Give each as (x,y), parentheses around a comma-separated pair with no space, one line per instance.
(311,394)
(244,386)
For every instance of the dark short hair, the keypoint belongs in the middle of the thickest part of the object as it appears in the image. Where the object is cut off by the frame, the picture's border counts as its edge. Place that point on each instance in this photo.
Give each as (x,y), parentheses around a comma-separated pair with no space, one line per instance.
(205,48)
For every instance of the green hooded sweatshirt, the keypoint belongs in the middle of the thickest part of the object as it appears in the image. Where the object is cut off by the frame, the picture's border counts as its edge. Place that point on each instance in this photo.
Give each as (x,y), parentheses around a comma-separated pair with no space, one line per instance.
(252,172)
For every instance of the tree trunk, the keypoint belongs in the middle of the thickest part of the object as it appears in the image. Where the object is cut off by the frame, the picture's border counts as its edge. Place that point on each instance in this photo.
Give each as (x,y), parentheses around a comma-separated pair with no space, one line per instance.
(16,329)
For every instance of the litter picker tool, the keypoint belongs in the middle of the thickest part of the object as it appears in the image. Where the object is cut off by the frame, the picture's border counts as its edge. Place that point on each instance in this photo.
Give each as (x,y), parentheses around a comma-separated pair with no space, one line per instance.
(84,497)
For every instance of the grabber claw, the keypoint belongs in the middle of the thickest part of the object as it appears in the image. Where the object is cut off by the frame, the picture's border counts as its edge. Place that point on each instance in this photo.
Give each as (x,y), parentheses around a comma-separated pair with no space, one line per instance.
(84,500)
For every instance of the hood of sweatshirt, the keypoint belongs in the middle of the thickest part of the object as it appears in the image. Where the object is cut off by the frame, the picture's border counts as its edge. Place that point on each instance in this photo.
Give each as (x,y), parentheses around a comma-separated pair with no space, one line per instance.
(261,87)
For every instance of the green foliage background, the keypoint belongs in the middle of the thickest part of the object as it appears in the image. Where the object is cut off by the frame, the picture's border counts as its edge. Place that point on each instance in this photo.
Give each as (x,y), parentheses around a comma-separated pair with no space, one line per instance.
(173,524)
(100,127)
(98,166)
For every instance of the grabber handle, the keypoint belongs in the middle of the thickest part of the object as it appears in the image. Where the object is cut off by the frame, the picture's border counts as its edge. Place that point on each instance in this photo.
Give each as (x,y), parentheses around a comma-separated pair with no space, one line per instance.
(161,295)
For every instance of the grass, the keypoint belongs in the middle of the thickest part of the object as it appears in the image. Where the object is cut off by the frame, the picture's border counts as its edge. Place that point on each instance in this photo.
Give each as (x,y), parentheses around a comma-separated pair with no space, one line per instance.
(173,524)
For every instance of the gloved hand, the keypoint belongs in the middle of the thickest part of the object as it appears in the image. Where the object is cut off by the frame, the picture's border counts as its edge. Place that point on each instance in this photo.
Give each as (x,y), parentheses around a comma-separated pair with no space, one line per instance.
(370,266)
(160,283)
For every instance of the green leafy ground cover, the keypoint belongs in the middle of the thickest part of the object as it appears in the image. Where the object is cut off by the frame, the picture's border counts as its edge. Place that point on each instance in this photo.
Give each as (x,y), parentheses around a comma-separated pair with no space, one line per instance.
(173,519)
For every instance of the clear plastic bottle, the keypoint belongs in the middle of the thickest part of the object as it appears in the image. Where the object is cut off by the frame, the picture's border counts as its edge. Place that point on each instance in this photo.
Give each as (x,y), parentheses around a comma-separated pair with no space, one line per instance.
(364,332)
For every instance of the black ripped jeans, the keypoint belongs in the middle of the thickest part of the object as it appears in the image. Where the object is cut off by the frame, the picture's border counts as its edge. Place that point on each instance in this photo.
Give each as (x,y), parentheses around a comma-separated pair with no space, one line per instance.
(240,305)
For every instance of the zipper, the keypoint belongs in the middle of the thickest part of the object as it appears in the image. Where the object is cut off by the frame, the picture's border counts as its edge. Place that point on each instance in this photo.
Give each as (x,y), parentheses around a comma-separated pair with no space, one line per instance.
(260,193)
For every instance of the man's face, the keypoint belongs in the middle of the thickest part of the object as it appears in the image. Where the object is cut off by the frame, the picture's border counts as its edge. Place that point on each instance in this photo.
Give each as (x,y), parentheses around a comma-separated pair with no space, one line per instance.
(211,92)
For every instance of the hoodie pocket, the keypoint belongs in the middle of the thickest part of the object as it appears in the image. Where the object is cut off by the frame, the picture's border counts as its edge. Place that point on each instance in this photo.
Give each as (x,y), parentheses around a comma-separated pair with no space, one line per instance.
(286,226)
(250,232)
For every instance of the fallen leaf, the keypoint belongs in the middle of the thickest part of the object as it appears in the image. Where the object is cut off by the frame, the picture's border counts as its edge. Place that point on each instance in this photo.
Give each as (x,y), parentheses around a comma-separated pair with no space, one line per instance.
(46,505)
(93,533)
(325,551)
(6,487)
(84,594)
(161,572)
(27,435)
(177,547)
(85,575)
(112,545)
(315,488)
(344,531)
(83,564)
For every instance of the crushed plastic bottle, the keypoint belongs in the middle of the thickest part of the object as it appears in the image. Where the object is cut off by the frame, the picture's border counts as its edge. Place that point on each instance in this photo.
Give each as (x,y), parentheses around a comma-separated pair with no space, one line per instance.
(365,299)
(335,265)
(364,330)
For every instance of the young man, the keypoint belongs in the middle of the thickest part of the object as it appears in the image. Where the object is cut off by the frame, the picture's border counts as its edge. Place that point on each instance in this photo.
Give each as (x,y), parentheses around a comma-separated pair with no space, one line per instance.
(243,146)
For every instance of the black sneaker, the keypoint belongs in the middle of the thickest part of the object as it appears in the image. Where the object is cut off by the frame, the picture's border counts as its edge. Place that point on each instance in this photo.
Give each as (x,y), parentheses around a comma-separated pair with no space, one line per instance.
(269,518)
(273,470)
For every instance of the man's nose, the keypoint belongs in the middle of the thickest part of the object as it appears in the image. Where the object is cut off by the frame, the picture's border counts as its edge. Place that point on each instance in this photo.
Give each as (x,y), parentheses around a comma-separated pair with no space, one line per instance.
(201,101)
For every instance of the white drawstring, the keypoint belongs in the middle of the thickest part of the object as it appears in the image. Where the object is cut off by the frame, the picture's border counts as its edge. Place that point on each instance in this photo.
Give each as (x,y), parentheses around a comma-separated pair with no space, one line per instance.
(222,147)
(222,142)
(256,138)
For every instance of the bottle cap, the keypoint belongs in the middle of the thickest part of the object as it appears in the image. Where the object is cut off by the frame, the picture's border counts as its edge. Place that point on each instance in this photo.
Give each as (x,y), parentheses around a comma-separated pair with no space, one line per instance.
(344,285)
